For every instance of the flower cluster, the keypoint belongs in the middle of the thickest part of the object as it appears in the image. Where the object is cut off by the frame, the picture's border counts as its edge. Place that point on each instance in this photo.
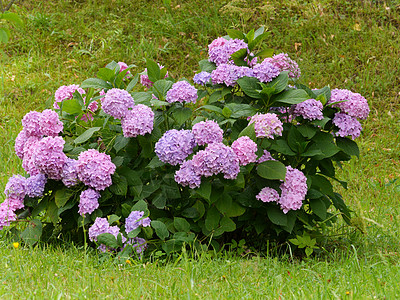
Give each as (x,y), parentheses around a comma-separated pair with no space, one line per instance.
(138,121)
(144,78)
(101,226)
(245,149)
(135,219)
(117,102)
(220,50)
(202,78)
(35,185)
(174,146)
(206,132)
(69,174)
(182,91)
(265,71)
(66,92)
(310,109)
(95,169)
(267,125)
(293,191)
(352,106)
(284,63)
(88,201)
(228,74)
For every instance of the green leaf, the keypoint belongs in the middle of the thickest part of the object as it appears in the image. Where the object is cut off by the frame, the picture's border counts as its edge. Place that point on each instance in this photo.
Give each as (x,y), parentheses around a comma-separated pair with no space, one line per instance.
(241,110)
(249,131)
(113,219)
(348,146)
(132,83)
(226,112)
(96,83)
(199,206)
(71,106)
(61,196)
(12,17)
(155,163)
(204,190)
(118,161)
(119,185)
(307,131)
(282,146)
(33,232)
(181,224)
(277,85)
(228,207)
(250,86)
(318,207)
(207,66)
(160,228)
(235,34)
(259,31)
(153,70)
(4,35)
(142,97)
(272,169)
(141,205)
(120,143)
(322,184)
(238,57)
(161,87)
(181,114)
(107,239)
(276,215)
(227,225)
(291,97)
(134,232)
(309,251)
(265,53)
(212,219)
(86,135)
(106,74)
(212,108)
(159,200)
(258,39)
(52,212)
(296,140)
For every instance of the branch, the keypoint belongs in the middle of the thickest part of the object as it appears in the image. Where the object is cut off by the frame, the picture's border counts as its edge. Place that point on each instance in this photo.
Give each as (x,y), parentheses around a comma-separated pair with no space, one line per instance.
(8,5)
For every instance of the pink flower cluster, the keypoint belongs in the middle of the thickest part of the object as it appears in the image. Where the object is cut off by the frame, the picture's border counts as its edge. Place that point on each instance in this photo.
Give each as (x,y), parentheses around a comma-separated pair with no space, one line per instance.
(66,92)
(284,63)
(293,191)
(245,149)
(352,106)
(117,102)
(220,50)
(182,91)
(310,109)
(88,202)
(138,121)
(267,125)
(228,74)
(206,132)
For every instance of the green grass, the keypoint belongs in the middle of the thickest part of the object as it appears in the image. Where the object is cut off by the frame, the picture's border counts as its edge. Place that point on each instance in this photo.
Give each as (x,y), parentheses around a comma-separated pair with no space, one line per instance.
(346,44)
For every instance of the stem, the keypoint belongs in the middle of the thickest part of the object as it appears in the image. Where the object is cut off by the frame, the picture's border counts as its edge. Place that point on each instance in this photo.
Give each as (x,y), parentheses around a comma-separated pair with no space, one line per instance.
(8,6)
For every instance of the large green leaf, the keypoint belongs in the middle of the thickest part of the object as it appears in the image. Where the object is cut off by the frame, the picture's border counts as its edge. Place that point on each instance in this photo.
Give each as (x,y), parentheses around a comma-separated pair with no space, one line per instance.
(71,106)
(108,239)
(181,224)
(250,86)
(277,84)
(291,97)
(276,215)
(318,207)
(160,228)
(181,115)
(228,207)
(212,219)
(272,169)
(86,135)
(12,17)
(33,232)
(61,196)
(96,83)
(348,146)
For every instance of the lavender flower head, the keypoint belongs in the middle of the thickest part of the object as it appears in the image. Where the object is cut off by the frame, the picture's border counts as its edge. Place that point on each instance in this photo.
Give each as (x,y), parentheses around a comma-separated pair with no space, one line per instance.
(265,157)
(310,109)
(202,78)
(28,158)
(14,203)
(138,244)
(245,149)
(66,92)
(182,91)
(89,201)
(20,141)
(174,146)
(268,194)
(285,63)
(348,125)
(219,51)
(216,158)
(186,175)
(69,173)
(267,125)
(31,124)
(50,123)
(206,132)
(135,219)
(35,185)
(100,226)
(95,169)
(352,104)
(265,71)
(117,102)
(138,121)
(122,67)
(15,187)
(48,156)
(7,215)
(294,190)
(229,74)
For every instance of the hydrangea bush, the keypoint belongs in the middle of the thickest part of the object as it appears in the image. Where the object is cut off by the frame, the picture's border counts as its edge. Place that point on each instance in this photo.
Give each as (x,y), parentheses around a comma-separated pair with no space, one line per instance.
(246,151)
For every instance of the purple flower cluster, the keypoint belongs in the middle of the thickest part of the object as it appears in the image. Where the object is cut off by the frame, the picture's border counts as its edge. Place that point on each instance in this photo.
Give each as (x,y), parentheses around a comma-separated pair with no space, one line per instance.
(95,169)
(350,103)
(35,185)
(135,219)
(69,173)
(138,244)
(66,92)
(267,125)
(268,194)
(48,157)
(100,226)
(348,125)
(117,102)
(202,78)
(122,67)
(138,121)
(88,202)
(245,149)
(220,51)
(174,146)
(310,109)
(207,132)
(265,71)
(285,63)
(187,175)
(229,74)
(16,187)
(265,157)
(7,215)
(182,91)
(216,158)
(294,190)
